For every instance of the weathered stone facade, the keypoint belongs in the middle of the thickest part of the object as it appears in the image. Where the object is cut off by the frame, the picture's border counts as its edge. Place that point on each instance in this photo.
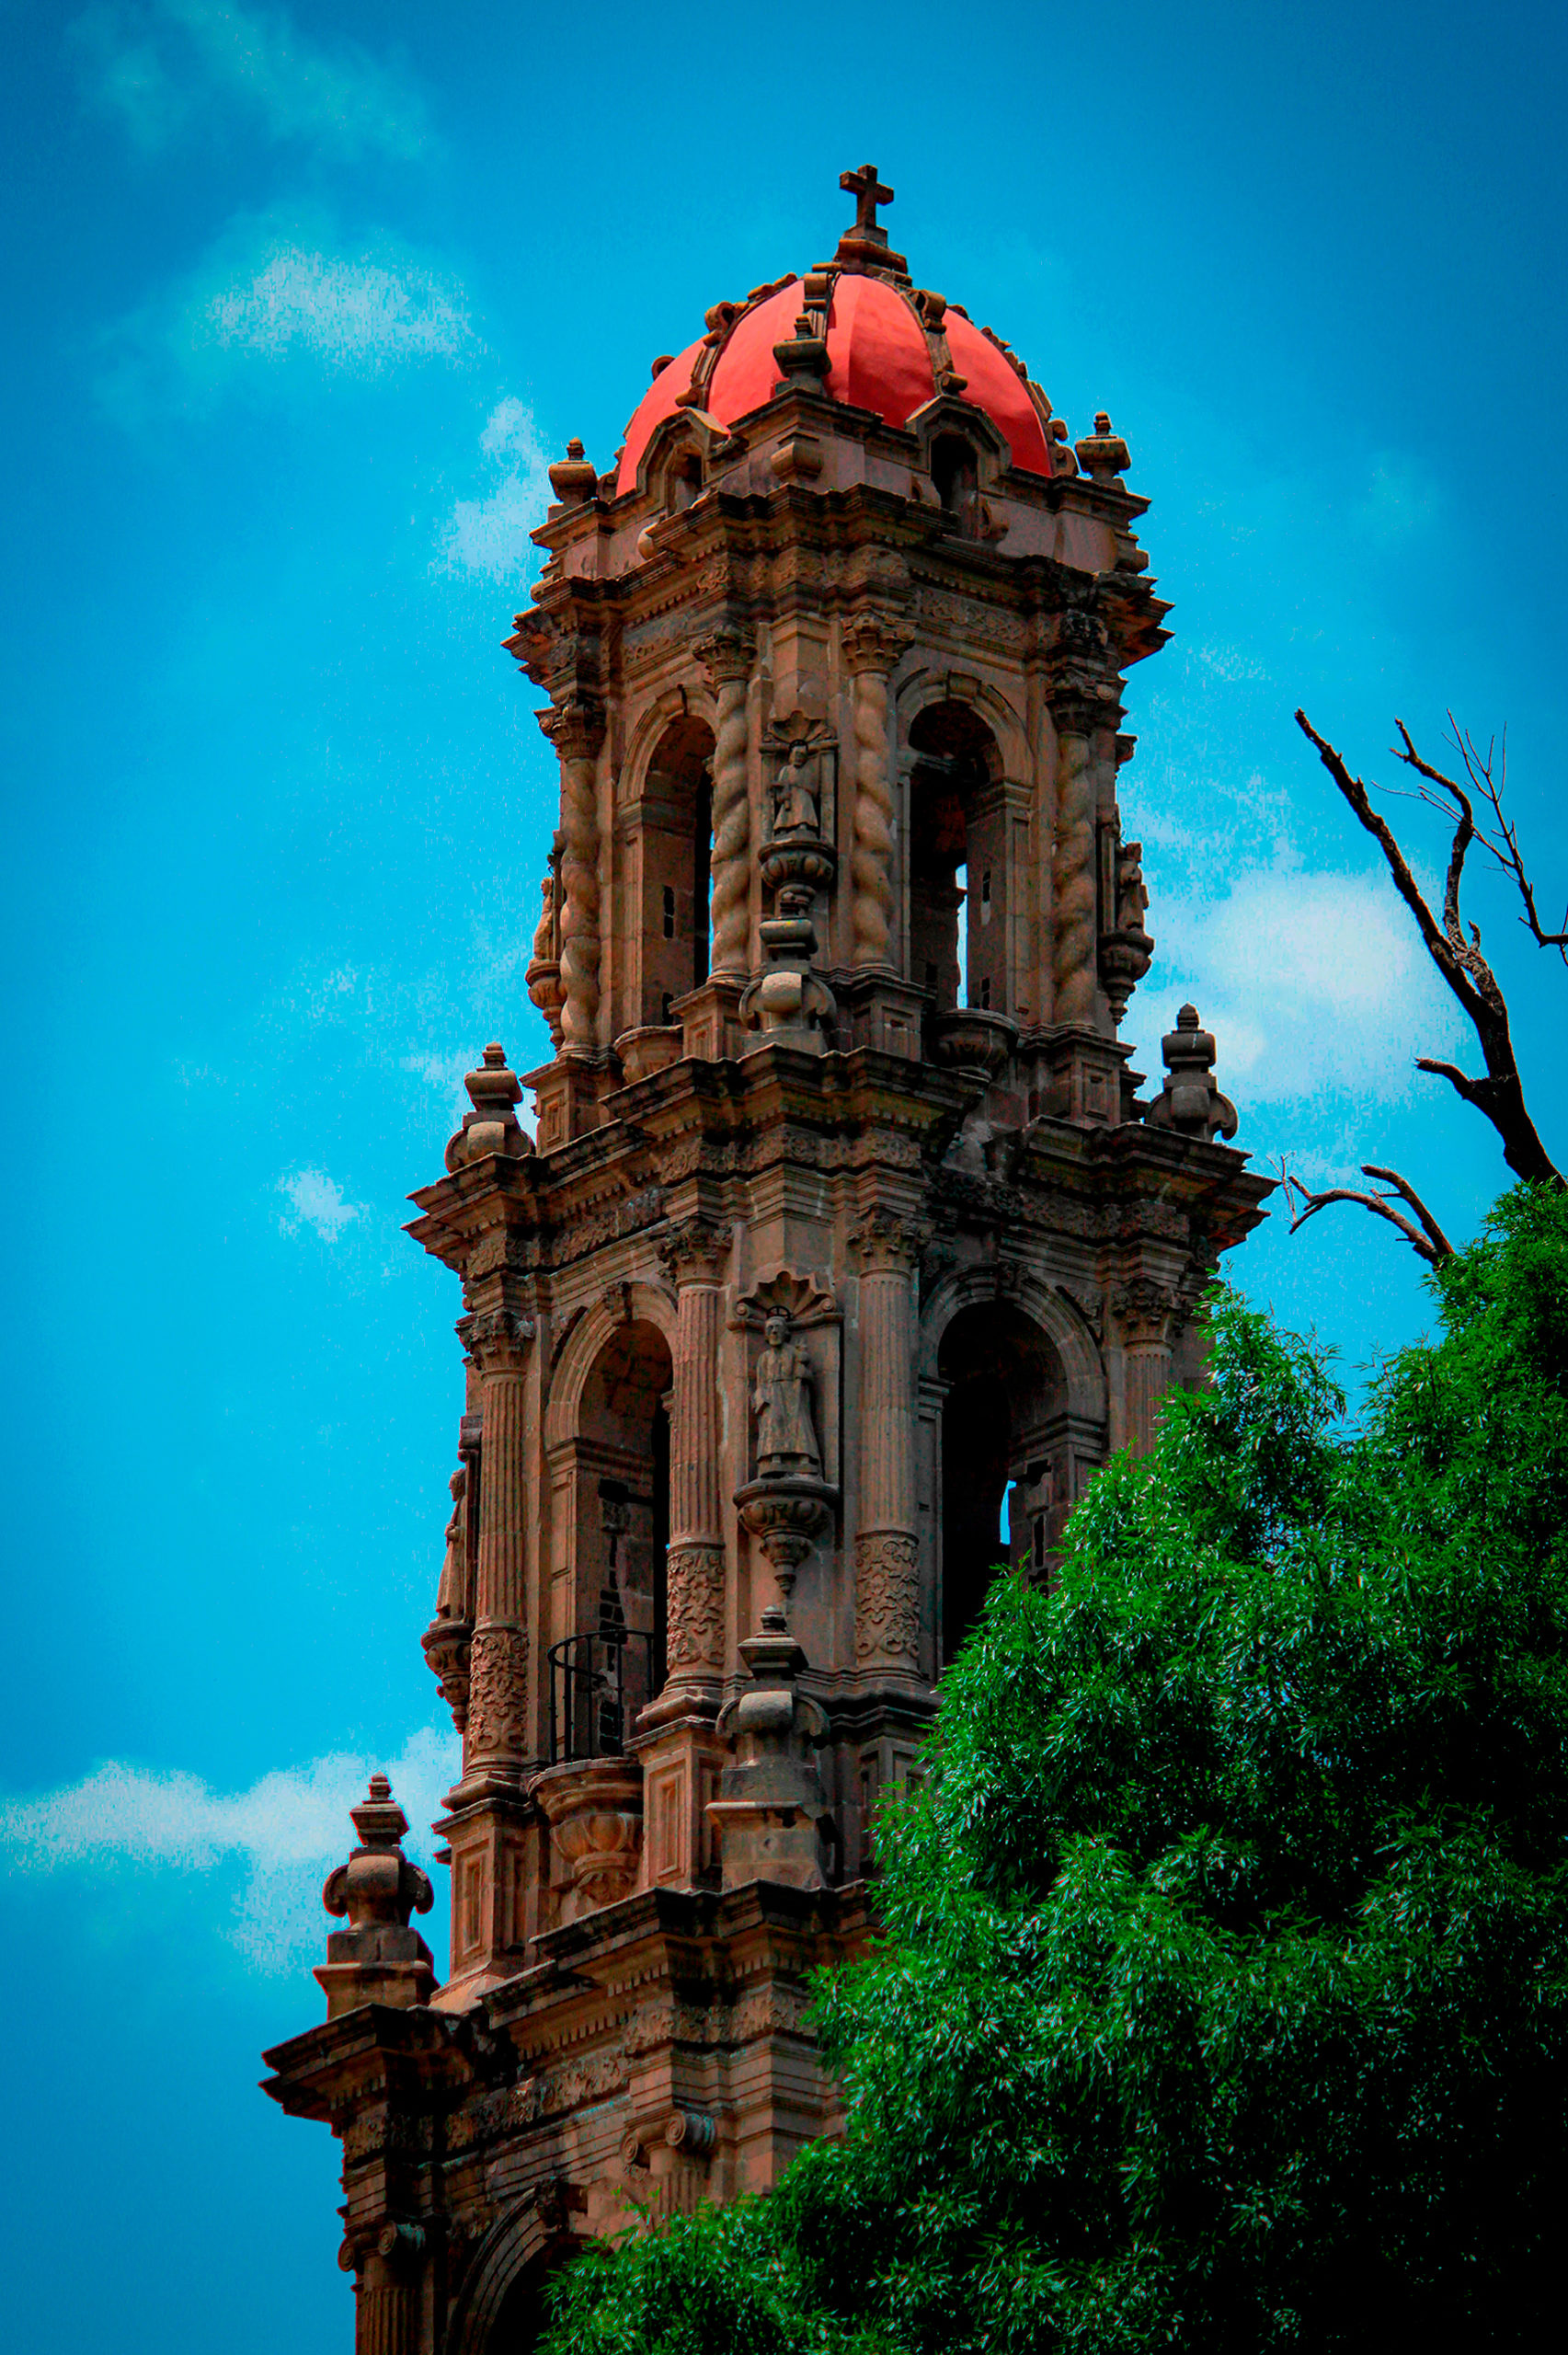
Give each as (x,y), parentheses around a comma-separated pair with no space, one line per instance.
(845,1234)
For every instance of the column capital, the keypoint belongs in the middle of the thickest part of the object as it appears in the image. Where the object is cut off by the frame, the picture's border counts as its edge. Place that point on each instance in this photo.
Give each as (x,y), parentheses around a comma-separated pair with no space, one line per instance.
(887,1243)
(727,651)
(875,639)
(1144,1309)
(693,1250)
(497,1339)
(575,727)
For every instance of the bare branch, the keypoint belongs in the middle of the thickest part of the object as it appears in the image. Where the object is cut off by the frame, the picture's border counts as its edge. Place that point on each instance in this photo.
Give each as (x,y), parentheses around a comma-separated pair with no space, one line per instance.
(1500,1097)
(1429,1241)
(1504,846)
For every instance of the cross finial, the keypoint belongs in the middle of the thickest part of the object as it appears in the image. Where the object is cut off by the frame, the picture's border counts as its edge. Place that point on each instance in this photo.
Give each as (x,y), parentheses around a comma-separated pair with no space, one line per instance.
(868,194)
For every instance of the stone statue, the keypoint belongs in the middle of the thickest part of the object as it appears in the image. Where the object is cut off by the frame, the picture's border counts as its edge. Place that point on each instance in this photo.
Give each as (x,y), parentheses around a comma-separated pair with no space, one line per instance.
(451,1595)
(781,1399)
(797,792)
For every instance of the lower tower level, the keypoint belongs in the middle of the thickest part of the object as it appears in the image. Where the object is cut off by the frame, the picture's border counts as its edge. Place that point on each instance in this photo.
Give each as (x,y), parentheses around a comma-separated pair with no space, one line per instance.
(844,1251)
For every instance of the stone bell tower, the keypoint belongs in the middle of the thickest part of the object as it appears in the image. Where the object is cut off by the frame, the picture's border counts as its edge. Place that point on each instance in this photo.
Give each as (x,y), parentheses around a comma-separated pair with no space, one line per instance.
(844,1252)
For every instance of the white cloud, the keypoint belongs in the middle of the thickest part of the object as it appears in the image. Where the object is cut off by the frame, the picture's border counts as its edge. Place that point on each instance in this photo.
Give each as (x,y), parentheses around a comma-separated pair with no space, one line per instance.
(166,68)
(318,1201)
(490,535)
(348,313)
(284,1833)
(446,1074)
(1315,985)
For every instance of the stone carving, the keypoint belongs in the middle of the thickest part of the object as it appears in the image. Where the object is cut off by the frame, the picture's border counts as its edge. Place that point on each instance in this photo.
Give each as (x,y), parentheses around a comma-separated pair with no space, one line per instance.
(873,644)
(576,730)
(497,1692)
(452,1591)
(492,1125)
(497,1338)
(543,975)
(887,1598)
(1190,1100)
(726,654)
(1072,880)
(804,1299)
(790,1002)
(771,1817)
(1125,952)
(694,1622)
(693,1251)
(797,791)
(884,1241)
(594,1809)
(446,1641)
(378,1958)
(781,1400)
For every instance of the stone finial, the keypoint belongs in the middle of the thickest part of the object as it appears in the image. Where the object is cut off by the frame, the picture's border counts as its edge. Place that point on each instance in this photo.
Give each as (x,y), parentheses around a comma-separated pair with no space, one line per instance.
(804,360)
(1190,1100)
(575,478)
(771,1815)
(1102,455)
(492,1125)
(378,1958)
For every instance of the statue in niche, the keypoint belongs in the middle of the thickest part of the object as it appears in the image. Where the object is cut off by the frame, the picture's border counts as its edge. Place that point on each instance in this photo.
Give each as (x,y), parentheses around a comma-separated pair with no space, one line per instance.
(781,1399)
(797,791)
(452,1594)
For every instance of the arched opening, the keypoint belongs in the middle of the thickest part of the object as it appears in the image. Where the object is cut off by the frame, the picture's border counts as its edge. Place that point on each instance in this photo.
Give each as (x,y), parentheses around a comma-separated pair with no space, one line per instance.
(675,837)
(612,1663)
(958,879)
(956,477)
(1006,1462)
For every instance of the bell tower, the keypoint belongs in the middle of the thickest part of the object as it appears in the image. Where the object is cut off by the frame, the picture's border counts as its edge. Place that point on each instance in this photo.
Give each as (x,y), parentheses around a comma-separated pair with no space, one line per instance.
(844,1249)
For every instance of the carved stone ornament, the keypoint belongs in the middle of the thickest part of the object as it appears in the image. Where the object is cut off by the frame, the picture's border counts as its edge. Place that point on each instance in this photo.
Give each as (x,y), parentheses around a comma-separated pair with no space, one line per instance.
(1190,1100)
(497,1338)
(594,1807)
(447,1643)
(782,1385)
(492,1125)
(886,1243)
(804,1299)
(497,1692)
(378,1958)
(695,1615)
(887,1598)
(693,1252)
(1145,1310)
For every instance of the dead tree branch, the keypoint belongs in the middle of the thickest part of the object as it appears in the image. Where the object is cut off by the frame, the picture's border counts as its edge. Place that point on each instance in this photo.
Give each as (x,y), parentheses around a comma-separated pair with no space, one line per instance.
(1499,1097)
(1487,773)
(1428,1239)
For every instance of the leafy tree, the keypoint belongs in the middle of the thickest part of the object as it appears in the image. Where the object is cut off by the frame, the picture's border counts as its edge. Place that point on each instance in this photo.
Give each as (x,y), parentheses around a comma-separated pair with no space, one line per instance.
(1222,1998)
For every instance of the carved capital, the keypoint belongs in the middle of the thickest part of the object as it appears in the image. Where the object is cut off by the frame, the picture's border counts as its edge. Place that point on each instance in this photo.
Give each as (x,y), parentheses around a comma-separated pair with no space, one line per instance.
(693,1252)
(497,1338)
(884,1244)
(726,652)
(576,727)
(887,1600)
(874,639)
(1145,1310)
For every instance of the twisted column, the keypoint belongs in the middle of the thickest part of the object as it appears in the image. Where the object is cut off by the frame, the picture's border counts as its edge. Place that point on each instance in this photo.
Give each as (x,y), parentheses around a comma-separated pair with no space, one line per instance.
(887,1618)
(495,1740)
(726,654)
(1073,934)
(872,643)
(695,1564)
(577,729)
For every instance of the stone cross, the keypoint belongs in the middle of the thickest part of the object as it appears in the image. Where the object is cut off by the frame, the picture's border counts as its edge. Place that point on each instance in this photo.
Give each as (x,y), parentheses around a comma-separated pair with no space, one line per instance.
(868,194)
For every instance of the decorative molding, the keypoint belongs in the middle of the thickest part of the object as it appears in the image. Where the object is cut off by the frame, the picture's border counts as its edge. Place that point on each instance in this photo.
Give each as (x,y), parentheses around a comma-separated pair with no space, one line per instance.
(804,1299)
(694,1610)
(887,1598)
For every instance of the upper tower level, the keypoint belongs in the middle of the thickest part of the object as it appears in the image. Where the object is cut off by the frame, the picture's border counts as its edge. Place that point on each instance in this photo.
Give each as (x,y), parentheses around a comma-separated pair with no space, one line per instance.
(834,651)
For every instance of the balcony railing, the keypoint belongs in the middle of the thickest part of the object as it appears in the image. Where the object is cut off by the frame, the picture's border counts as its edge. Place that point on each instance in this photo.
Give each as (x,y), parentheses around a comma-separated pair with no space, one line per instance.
(598,1682)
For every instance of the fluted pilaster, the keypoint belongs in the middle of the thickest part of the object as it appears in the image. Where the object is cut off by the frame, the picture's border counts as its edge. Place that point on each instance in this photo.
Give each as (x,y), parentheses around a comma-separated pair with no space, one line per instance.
(886,1250)
(694,1572)
(497,1733)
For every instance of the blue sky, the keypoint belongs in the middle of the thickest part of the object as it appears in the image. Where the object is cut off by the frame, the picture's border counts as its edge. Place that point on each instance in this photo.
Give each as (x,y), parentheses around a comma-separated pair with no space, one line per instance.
(302,304)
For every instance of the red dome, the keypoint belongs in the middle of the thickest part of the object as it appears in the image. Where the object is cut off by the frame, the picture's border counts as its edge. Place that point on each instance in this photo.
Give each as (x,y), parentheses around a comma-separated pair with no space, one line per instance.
(878,358)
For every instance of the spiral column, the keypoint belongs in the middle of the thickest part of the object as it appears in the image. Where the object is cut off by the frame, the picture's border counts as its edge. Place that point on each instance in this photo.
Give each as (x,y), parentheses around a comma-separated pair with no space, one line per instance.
(727,655)
(577,730)
(872,643)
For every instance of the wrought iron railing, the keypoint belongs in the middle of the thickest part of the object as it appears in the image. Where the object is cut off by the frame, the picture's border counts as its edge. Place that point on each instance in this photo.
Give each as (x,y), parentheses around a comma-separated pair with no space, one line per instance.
(598,1682)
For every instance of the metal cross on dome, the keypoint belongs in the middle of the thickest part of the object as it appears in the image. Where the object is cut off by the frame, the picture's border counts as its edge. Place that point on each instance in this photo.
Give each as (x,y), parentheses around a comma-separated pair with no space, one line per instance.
(868,194)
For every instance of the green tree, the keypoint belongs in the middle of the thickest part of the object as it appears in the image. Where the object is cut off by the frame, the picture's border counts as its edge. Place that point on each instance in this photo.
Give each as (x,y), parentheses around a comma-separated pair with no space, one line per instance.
(1222,1999)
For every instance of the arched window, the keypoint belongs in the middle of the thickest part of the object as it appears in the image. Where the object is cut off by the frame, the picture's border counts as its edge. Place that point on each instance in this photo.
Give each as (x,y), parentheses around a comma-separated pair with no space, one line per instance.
(956,477)
(958,916)
(674,839)
(1006,1463)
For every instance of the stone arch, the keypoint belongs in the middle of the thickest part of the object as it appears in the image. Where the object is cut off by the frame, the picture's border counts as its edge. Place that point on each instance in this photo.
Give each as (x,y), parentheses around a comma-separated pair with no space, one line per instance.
(676,703)
(644,1303)
(1016,1397)
(924,686)
(964,888)
(520,2248)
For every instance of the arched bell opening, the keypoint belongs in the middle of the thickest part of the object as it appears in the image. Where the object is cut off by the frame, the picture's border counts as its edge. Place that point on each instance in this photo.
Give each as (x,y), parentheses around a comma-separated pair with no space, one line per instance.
(1006,1462)
(954,473)
(612,1662)
(958,879)
(675,833)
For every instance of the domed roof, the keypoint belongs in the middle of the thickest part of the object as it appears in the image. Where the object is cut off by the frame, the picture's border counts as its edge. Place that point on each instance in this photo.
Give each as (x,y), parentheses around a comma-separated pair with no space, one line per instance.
(888,346)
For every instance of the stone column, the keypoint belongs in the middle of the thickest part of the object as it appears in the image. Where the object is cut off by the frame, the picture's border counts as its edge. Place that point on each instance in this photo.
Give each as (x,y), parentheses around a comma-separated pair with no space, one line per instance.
(1145,1313)
(727,655)
(577,730)
(497,1743)
(385,2321)
(872,643)
(694,1573)
(1073,933)
(886,1546)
